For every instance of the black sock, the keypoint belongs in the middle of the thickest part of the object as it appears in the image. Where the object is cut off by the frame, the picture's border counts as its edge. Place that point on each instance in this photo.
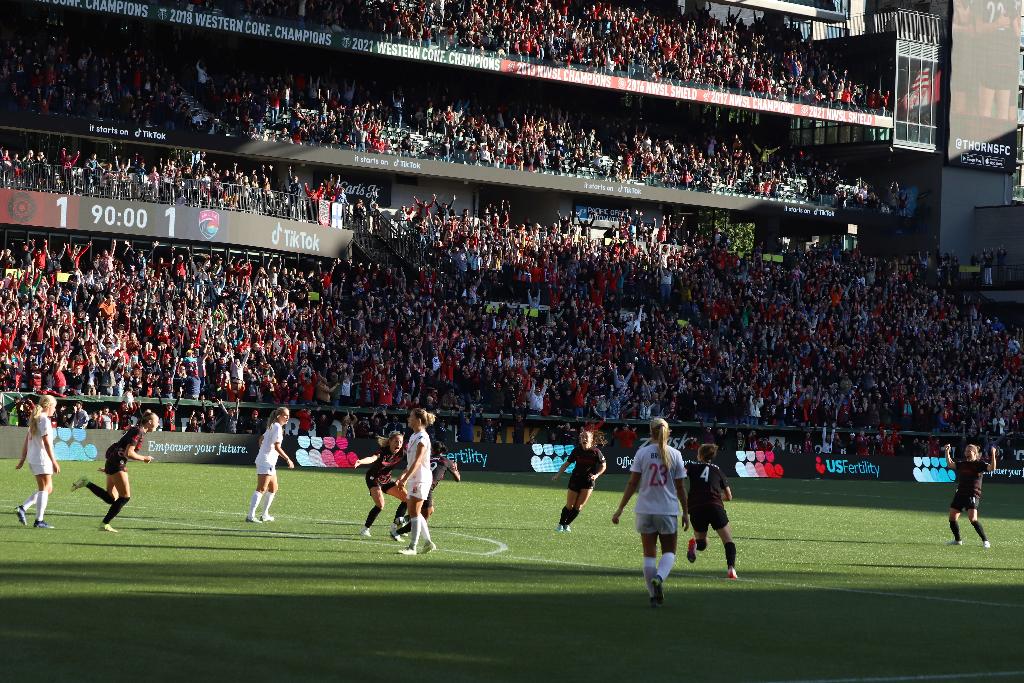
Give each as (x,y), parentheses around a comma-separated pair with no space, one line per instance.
(730,554)
(702,544)
(374,511)
(100,493)
(405,529)
(954,526)
(115,508)
(400,512)
(981,532)
(563,516)
(573,514)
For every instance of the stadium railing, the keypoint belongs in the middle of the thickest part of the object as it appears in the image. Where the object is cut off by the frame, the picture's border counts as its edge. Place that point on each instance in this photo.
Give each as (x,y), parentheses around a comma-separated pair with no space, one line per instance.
(137,186)
(543,426)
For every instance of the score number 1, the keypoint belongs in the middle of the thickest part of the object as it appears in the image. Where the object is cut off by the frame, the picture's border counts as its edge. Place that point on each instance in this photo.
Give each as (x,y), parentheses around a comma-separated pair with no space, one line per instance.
(110,216)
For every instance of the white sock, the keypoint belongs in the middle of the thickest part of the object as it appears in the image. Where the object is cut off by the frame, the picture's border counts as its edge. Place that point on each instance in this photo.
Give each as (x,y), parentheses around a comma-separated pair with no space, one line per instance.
(668,560)
(30,501)
(415,538)
(253,502)
(425,530)
(268,499)
(649,572)
(41,499)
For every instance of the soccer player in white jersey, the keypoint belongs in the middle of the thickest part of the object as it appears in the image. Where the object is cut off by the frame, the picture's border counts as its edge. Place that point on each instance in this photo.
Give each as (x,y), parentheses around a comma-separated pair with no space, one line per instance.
(38,450)
(266,465)
(657,473)
(417,478)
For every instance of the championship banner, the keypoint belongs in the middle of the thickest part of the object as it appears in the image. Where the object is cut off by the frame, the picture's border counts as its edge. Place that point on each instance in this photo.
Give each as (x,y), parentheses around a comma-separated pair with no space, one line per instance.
(357,41)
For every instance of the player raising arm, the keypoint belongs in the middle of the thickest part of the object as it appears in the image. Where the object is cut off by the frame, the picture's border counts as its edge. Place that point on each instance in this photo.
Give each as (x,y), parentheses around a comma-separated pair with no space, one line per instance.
(119,490)
(378,479)
(657,472)
(590,464)
(38,450)
(708,489)
(969,473)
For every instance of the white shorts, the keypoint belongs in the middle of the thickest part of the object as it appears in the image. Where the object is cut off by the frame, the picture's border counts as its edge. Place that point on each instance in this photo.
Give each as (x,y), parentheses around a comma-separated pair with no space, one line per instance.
(41,466)
(418,488)
(664,525)
(264,468)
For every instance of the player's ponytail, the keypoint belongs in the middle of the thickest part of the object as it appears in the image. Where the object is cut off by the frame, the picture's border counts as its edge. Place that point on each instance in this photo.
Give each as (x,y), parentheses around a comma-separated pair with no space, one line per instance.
(44,403)
(707,452)
(659,435)
(275,414)
(426,419)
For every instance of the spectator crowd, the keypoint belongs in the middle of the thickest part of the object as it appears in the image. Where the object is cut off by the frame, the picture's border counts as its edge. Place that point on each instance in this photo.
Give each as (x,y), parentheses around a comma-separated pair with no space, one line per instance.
(419,121)
(634,326)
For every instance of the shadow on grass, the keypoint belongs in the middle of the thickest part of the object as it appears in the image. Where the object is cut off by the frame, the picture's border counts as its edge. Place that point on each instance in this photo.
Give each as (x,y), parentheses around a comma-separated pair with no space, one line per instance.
(326,620)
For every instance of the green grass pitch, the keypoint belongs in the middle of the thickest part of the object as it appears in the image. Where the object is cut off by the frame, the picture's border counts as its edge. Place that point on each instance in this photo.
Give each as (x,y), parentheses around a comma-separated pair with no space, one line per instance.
(839,580)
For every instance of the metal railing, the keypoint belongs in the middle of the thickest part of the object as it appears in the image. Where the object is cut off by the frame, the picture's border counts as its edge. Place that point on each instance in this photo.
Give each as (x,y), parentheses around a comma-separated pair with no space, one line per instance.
(1010,276)
(136,186)
(919,27)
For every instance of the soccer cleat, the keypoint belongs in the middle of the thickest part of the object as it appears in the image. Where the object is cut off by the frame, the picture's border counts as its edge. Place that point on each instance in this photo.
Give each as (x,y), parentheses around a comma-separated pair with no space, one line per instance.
(731,574)
(986,544)
(567,528)
(560,528)
(107,527)
(254,520)
(954,543)
(659,591)
(408,551)
(20,511)
(365,533)
(81,483)
(40,524)
(655,603)
(266,518)
(691,550)
(429,547)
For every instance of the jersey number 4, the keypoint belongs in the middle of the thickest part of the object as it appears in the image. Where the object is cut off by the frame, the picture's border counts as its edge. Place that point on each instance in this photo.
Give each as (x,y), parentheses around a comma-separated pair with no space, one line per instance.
(706,473)
(659,474)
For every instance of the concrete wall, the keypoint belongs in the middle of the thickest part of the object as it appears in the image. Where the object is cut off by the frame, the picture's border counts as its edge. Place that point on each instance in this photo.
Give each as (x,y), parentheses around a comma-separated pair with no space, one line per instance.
(962,191)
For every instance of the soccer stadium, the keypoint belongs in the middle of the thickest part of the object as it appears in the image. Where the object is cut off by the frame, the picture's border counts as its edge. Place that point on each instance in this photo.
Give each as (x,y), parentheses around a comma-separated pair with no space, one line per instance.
(397,339)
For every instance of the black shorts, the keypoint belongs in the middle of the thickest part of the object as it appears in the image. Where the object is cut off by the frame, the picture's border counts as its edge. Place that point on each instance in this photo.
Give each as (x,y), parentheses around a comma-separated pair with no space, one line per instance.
(372,483)
(115,466)
(703,517)
(963,501)
(578,484)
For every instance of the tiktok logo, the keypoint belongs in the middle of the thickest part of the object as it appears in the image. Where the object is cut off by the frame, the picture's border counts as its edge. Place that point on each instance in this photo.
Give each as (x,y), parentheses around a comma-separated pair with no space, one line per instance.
(275,237)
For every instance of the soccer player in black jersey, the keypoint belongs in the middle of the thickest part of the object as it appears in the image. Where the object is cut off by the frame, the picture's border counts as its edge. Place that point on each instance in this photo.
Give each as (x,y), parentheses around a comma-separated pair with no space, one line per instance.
(969,473)
(378,479)
(590,464)
(119,491)
(708,489)
(439,467)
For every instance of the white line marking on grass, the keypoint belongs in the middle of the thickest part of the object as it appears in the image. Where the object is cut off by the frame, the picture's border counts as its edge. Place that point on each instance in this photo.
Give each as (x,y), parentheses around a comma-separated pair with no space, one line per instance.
(499,547)
(922,677)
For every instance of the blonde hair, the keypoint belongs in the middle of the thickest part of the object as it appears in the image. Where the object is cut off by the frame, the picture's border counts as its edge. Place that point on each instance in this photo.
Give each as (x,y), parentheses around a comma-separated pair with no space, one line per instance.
(44,403)
(972,452)
(707,452)
(425,418)
(147,416)
(274,415)
(659,435)
(383,441)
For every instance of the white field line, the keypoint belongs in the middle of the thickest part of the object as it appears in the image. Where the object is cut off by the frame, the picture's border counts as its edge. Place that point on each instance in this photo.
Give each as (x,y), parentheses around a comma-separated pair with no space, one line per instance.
(923,677)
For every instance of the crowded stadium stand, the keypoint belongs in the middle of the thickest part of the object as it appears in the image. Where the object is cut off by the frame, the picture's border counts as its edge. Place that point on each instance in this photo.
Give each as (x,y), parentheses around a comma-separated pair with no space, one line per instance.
(541,250)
